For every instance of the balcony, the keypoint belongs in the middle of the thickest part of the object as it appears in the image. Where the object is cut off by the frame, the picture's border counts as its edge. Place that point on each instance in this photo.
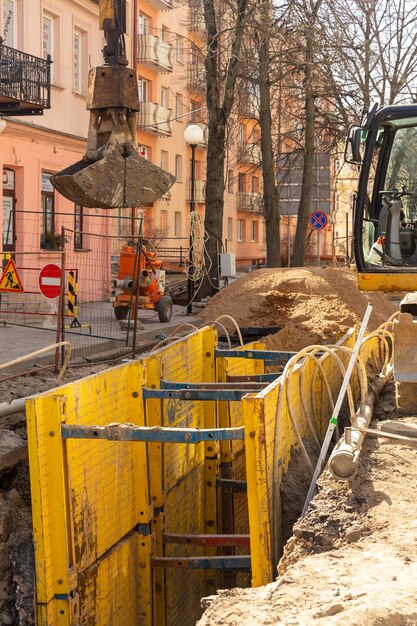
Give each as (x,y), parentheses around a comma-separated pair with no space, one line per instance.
(248,104)
(200,191)
(161,5)
(155,119)
(196,78)
(249,202)
(25,83)
(249,153)
(196,23)
(154,53)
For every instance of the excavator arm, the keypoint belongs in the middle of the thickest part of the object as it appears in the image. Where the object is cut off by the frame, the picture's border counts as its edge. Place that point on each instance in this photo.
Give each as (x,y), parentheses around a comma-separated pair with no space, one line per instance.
(112,174)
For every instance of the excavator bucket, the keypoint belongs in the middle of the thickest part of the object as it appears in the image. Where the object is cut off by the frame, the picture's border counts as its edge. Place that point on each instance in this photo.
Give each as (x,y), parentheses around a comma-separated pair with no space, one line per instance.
(113,182)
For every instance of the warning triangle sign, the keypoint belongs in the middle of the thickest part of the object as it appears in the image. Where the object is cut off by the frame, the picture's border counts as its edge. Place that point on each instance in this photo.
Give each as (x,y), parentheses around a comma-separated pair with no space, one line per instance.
(10,280)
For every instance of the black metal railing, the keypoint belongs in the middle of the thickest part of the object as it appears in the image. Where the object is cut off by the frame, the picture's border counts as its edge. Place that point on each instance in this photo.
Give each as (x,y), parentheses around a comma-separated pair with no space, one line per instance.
(25,82)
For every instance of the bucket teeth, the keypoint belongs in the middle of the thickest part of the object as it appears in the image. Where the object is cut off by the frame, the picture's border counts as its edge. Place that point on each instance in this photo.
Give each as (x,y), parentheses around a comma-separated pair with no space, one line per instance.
(113,182)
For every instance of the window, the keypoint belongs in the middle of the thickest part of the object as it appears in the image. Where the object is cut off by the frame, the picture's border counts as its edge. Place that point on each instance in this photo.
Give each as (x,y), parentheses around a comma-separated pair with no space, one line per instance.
(241,230)
(255,184)
(10,23)
(256,135)
(178,49)
(164,223)
(241,133)
(144,91)
(178,224)
(120,221)
(8,209)
(254,231)
(165,34)
(198,169)
(143,24)
(178,105)
(230,181)
(194,115)
(242,182)
(48,35)
(164,97)
(48,241)
(78,226)
(164,159)
(77,61)
(178,168)
(230,228)
(145,152)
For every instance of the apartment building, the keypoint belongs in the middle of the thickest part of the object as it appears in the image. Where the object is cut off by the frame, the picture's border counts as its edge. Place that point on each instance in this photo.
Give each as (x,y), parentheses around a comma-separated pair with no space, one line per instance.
(164,43)
(32,145)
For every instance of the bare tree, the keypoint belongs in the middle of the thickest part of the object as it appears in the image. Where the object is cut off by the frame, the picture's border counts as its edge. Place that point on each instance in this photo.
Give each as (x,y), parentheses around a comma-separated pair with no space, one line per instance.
(270,189)
(225,25)
(305,16)
(374,54)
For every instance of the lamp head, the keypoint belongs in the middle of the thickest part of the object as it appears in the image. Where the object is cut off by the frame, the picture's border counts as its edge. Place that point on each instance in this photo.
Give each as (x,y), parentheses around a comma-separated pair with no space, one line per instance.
(193,135)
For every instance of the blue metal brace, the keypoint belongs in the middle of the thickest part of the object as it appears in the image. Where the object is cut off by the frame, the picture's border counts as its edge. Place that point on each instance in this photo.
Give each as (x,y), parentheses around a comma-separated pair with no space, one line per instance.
(280,358)
(197,394)
(126,432)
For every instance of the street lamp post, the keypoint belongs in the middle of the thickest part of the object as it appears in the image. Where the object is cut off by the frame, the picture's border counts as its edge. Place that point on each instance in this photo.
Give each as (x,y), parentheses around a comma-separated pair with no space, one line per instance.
(193,135)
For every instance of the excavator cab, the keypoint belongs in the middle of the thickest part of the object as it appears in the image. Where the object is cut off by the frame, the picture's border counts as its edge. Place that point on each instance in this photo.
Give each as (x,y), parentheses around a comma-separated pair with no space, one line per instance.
(385,212)
(385,227)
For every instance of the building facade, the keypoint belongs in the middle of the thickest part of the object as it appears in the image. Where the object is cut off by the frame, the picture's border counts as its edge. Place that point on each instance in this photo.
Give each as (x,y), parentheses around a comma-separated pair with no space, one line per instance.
(32,147)
(164,44)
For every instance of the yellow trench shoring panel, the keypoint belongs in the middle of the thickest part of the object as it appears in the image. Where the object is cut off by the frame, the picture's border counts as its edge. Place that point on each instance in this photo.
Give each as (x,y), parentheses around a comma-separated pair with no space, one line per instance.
(180,475)
(87,499)
(265,428)
(104,512)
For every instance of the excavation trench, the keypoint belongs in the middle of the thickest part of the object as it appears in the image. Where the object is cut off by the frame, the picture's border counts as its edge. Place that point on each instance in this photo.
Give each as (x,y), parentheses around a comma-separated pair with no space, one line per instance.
(352,558)
(320,530)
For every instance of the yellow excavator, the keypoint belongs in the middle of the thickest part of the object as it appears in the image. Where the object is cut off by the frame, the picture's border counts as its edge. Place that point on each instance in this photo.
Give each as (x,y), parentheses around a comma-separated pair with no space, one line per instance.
(384,147)
(112,174)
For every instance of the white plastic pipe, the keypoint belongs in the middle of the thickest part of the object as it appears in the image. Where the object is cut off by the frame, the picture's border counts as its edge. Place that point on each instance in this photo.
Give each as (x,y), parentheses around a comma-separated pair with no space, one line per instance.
(343,462)
(334,418)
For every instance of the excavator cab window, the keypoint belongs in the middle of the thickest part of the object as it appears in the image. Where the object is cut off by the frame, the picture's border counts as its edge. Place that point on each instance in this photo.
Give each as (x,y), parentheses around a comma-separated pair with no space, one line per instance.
(385,219)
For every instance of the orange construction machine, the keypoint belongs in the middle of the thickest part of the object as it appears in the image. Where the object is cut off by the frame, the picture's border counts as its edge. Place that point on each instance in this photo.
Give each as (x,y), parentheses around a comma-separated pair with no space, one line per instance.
(141,278)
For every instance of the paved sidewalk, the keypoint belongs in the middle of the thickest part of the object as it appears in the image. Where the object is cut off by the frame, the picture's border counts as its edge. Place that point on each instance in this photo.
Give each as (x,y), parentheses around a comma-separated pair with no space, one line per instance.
(17,341)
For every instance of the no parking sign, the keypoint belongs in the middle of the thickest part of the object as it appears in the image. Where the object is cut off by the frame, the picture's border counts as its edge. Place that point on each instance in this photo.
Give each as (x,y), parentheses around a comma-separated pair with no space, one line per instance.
(318,220)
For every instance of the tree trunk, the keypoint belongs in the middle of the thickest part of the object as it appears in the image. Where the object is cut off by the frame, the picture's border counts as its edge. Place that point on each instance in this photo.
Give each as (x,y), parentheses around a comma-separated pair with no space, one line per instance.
(220,93)
(304,208)
(214,204)
(270,190)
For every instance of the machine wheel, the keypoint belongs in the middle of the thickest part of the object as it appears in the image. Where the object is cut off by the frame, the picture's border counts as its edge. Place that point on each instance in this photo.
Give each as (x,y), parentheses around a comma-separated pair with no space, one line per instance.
(165,309)
(121,312)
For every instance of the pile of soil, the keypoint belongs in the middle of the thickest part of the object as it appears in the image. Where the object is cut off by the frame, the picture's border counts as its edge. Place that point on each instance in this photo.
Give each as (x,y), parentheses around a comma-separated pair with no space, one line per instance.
(352,558)
(311,304)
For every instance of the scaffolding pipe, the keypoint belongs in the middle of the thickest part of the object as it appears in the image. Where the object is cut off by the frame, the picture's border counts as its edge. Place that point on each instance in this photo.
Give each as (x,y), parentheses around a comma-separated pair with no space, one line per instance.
(343,462)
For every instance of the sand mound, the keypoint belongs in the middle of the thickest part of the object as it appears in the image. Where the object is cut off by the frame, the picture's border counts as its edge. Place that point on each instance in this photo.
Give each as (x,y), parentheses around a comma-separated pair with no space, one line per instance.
(313,305)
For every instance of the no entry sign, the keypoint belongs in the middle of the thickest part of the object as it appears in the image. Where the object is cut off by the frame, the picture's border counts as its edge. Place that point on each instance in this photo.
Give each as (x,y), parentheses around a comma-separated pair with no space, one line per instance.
(50,281)
(318,220)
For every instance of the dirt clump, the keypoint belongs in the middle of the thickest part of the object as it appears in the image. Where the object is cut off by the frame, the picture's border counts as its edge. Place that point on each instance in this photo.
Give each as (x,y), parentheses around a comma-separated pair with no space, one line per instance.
(311,304)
